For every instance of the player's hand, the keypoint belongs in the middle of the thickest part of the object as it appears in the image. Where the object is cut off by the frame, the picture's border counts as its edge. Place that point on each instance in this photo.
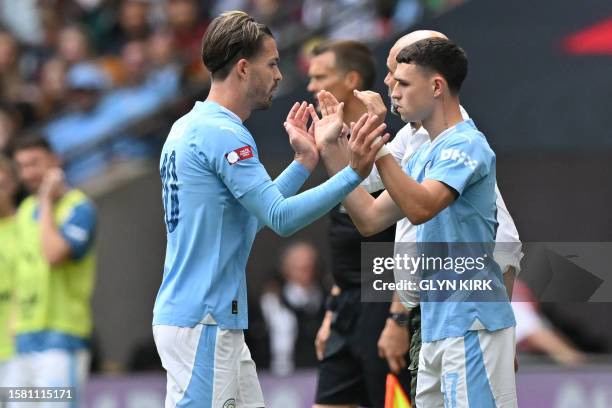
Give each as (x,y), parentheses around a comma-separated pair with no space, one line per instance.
(323,335)
(301,137)
(52,185)
(331,126)
(373,103)
(393,344)
(366,139)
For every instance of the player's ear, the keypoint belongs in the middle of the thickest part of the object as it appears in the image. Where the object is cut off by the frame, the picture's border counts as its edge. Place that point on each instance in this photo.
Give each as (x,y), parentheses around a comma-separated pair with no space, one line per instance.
(242,68)
(438,84)
(352,80)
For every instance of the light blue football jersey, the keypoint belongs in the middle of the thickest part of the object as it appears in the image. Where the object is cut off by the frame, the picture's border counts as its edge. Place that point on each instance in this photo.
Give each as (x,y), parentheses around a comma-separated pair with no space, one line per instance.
(216,196)
(208,161)
(461,158)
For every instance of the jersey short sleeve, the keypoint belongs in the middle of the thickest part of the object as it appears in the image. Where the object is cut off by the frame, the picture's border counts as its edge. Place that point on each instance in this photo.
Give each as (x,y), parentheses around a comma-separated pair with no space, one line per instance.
(460,161)
(78,229)
(232,155)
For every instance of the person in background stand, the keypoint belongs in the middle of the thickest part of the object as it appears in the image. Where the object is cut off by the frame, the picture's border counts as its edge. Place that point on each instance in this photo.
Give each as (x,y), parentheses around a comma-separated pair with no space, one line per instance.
(8,252)
(55,275)
(351,371)
(294,309)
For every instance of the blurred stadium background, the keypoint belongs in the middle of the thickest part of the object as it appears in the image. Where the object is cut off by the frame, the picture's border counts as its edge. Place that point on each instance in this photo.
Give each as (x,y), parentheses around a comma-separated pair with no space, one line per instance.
(540,87)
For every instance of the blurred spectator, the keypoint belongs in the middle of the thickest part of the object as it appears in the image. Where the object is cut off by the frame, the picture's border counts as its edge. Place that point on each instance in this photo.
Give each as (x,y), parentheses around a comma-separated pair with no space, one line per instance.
(405,14)
(74,44)
(221,6)
(13,86)
(132,24)
(82,123)
(354,19)
(161,48)
(10,122)
(23,18)
(55,274)
(146,88)
(294,309)
(534,333)
(188,29)
(8,252)
(52,86)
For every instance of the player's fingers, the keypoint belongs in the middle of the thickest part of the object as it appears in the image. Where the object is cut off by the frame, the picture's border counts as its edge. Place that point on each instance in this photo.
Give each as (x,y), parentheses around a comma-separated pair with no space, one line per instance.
(334,102)
(293,111)
(322,103)
(340,110)
(332,98)
(345,130)
(300,111)
(313,113)
(393,365)
(362,96)
(374,135)
(302,114)
(366,133)
(370,123)
(325,101)
(356,133)
(402,362)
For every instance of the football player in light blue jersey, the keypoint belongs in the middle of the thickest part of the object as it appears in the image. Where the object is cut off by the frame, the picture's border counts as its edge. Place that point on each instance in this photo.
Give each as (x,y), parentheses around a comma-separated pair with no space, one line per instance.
(216,196)
(447,189)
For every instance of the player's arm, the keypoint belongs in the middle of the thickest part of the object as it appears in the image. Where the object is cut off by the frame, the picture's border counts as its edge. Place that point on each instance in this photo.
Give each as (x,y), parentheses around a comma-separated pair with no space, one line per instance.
(370,215)
(507,251)
(71,239)
(419,202)
(285,216)
(397,147)
(247,180)
(306,155)
(55,248)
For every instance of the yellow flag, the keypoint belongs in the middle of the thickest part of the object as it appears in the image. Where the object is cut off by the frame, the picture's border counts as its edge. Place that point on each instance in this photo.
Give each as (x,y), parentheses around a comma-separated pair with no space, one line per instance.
(395,397)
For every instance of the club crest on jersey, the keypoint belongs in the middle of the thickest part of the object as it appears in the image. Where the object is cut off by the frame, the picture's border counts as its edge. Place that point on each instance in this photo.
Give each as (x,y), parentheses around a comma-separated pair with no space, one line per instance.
(230,403)
(459,156)
(242,153)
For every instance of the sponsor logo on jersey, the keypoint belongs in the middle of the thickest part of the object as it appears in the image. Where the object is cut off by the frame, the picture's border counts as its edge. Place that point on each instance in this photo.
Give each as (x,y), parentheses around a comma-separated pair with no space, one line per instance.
(458,156)
(230,403)
(242,153)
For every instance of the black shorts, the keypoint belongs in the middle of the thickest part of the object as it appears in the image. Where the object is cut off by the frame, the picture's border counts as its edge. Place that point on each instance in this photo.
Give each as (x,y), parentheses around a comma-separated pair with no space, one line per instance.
(351,371)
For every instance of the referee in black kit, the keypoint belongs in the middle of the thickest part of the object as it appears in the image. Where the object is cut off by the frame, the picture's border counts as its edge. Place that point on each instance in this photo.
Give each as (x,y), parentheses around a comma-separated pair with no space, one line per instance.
(351,372)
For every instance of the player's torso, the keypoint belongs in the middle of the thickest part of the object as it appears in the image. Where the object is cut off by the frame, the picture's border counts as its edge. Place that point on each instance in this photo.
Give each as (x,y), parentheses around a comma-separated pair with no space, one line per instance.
(472,216)
(209,233)
(471,219)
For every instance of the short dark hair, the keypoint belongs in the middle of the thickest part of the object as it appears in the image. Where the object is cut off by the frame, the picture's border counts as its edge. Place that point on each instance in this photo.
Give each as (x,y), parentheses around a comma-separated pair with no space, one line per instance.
(351,56)
(230,37)
(31,141)
(440,55)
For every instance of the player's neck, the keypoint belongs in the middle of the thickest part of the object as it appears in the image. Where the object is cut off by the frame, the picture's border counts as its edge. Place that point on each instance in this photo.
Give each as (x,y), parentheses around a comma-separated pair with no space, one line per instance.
(444,117)
(226,96)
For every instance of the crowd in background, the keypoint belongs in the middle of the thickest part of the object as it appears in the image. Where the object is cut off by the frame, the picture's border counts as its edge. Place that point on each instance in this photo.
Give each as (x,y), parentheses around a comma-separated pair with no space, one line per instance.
(82,71)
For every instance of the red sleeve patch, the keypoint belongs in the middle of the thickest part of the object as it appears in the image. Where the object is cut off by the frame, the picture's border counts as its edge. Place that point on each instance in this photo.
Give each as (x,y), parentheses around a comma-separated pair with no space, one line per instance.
(242,153)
